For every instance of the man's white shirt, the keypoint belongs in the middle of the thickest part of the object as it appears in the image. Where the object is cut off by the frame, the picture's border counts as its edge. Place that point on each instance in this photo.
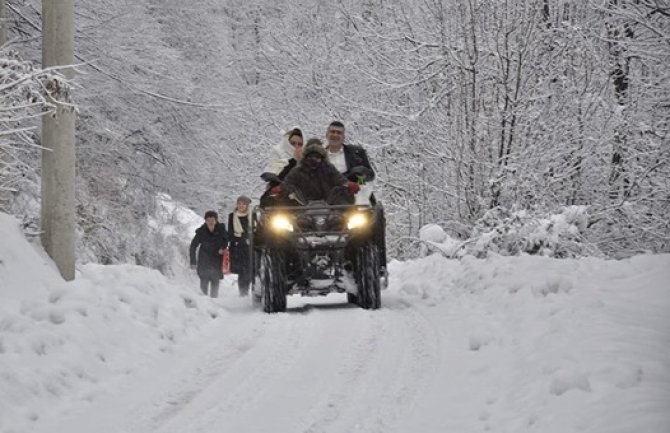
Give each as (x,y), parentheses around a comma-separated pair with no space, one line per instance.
(337,159)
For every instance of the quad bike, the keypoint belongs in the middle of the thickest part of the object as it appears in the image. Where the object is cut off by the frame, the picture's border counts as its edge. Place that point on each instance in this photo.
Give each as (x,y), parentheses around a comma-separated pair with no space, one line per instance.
(316,249)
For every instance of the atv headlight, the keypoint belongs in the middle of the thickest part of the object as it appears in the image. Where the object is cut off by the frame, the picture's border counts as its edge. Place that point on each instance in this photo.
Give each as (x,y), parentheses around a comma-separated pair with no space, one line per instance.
(357,221)
(281,223)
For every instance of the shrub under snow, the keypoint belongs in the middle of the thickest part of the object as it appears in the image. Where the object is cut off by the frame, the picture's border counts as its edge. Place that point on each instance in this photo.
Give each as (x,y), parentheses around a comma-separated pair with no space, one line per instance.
(507,232)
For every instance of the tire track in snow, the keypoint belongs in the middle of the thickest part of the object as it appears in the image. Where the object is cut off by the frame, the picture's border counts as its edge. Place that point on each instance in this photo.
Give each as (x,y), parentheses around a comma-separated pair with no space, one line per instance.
(315,369)
(222,377)
(337,369)
(296,376)
(384,371)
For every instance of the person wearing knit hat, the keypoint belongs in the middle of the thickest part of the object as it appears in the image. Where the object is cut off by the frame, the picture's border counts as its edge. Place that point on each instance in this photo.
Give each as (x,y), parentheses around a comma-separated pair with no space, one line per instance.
(314,149)
(243,199)
(239,224)
(315,178)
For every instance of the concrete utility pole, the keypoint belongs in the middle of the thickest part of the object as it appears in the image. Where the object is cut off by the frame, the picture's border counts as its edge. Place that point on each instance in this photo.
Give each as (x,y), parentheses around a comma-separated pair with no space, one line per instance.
(3,23)
(58,157)
(4,155)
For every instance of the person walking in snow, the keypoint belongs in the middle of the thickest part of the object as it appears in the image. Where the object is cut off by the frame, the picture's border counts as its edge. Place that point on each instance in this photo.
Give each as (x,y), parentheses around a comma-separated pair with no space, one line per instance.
(210,240)
(239,224)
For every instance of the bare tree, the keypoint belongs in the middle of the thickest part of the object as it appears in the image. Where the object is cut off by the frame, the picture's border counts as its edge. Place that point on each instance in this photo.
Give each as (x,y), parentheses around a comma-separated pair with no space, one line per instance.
(22,101)
(618,31)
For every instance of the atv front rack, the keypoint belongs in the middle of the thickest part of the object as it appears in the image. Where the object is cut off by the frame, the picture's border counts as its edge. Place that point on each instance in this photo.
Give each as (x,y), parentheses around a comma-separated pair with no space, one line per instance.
(314,226)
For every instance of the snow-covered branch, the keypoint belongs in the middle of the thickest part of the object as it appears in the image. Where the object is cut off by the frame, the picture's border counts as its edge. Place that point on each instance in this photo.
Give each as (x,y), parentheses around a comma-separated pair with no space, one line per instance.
(23,98)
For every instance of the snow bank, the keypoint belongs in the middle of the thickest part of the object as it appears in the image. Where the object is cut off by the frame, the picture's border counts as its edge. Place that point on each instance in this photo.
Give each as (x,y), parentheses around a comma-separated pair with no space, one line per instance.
(59,342)
(548,345)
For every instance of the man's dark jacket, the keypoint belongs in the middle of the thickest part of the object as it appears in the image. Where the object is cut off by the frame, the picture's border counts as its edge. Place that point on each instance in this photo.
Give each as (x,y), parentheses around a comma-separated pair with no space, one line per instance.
(356,156)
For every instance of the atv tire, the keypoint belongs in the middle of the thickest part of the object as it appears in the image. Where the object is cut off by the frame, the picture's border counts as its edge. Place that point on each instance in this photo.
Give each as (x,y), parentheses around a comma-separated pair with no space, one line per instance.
(272,281)
(366,274)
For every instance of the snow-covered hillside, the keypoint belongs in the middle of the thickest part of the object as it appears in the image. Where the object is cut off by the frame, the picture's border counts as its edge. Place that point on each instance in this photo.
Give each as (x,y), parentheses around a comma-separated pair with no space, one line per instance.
(502,345)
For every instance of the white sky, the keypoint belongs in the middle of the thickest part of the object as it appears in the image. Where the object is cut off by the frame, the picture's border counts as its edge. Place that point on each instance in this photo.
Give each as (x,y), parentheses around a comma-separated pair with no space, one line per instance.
(506,344)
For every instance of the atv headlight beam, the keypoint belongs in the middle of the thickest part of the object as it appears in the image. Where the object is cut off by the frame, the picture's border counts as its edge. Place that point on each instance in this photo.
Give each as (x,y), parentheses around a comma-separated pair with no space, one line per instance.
(357,221)
(281,223)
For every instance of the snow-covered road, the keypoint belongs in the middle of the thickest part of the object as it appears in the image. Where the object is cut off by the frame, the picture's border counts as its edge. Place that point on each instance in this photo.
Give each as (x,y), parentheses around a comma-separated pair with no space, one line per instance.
(322,366)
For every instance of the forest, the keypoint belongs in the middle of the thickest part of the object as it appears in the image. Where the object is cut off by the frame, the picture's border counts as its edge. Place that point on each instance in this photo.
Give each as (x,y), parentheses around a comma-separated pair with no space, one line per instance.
(526,127)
